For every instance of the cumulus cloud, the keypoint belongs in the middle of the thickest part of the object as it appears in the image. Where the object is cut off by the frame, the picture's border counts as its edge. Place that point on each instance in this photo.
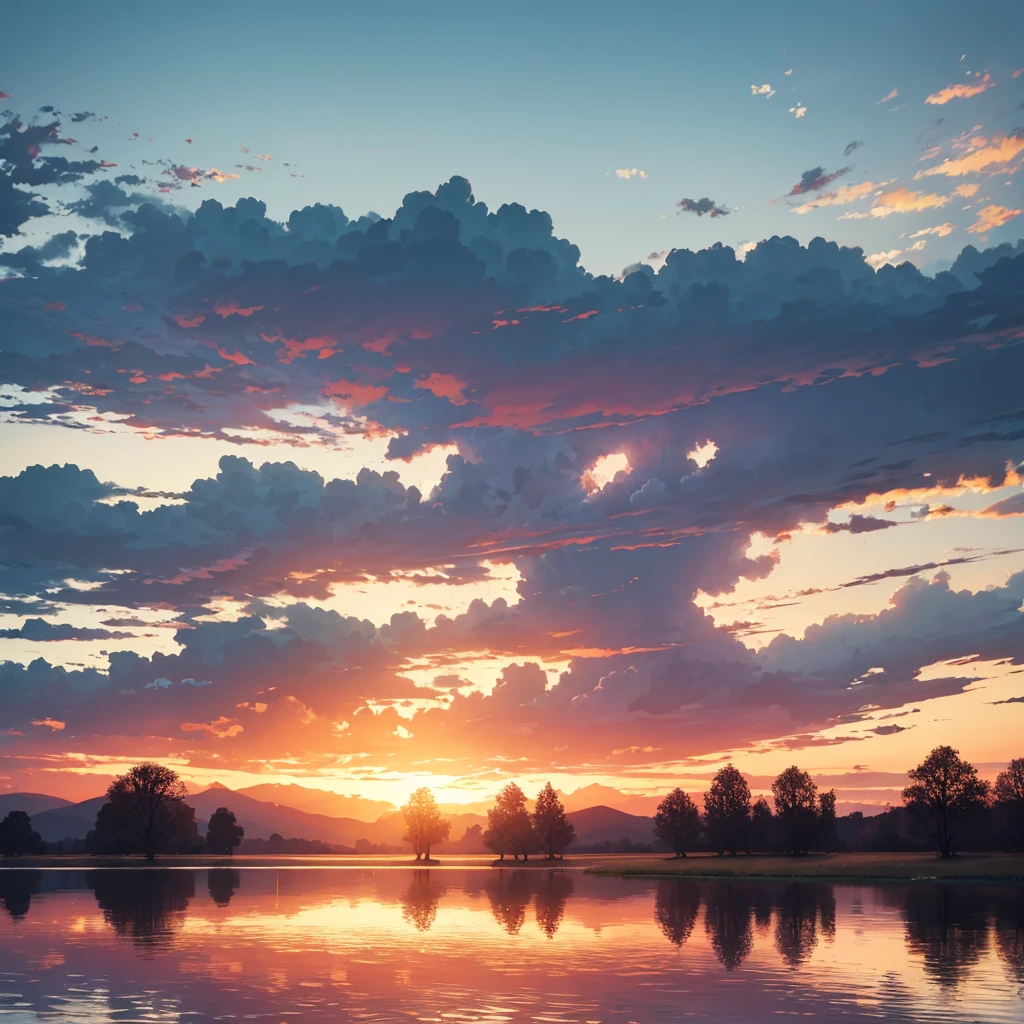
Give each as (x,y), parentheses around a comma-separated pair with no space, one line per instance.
(762,90)
(701,207)
(798,111)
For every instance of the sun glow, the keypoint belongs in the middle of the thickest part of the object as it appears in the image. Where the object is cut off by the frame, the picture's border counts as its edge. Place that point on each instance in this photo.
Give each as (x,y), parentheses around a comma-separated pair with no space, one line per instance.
(603,471)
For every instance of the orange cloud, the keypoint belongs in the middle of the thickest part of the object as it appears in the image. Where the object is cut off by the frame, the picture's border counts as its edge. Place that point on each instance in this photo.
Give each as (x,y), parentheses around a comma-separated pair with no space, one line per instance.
(444,385)
(842,195)
(967,191)
(984,153)
(222,728)
(903,200)
(990,217)
(960,91)
(51,723)
(355,392)
(942,230)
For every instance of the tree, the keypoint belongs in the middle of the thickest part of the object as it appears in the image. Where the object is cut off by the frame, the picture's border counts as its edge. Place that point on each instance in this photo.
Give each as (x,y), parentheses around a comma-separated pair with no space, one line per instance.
(223,833)
(146,813)
(1009,794)
(553,829)
(677,822)
(796,806)
(509,828)
(945,792)
(727,811)
(827,833)
(761,821)
(424,826)
(17,837)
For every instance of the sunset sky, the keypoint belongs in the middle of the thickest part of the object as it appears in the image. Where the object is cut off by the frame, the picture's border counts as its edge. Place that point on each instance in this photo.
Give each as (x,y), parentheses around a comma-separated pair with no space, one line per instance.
(389,399)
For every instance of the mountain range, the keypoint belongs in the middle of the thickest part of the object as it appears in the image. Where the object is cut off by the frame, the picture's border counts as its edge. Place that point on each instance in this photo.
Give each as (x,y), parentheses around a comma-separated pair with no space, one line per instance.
(56,819)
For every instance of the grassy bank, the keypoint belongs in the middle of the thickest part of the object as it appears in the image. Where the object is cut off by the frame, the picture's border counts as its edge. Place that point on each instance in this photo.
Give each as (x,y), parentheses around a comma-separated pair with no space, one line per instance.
(877,867)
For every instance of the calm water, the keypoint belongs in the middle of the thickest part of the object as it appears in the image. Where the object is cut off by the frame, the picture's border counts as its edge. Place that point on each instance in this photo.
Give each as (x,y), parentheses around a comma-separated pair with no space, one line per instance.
(459,945)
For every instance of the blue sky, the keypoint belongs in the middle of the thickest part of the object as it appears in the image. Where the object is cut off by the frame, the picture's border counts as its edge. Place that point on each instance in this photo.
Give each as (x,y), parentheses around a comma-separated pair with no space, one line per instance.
(540,104)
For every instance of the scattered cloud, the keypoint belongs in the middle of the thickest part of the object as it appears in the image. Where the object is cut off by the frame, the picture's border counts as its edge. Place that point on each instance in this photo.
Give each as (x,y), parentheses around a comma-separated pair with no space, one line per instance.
(629,172)
(851,146)
(798,111)
(960,91)
(842,196)
(967,190)
(942,230)
(982,154)
(702,206)
(815,179)
(990,217)
(888,97)
(762,90)
(903,200)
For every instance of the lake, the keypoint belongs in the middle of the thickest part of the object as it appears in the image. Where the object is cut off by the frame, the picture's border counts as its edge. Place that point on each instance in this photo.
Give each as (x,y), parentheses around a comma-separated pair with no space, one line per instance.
(282,944)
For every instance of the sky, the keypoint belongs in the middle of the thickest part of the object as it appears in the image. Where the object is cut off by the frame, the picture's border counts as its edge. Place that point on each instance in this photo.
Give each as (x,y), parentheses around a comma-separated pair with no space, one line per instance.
(453,395)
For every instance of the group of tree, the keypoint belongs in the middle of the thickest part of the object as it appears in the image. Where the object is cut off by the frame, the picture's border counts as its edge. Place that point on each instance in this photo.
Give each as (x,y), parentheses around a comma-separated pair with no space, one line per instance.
(732,823)
(17,837)
(146,812)
(513,829)
(946,799)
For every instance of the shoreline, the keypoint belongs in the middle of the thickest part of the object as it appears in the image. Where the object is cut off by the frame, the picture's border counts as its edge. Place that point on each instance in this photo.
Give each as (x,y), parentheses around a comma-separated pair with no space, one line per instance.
(836,867)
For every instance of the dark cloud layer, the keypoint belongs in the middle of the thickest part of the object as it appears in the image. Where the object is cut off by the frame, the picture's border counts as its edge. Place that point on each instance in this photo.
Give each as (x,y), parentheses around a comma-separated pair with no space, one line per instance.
(820,381)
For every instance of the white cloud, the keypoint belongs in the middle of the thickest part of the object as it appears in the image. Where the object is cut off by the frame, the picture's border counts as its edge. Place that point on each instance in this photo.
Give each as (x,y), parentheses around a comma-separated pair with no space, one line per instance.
(762,90)
(798,110)
(628,172)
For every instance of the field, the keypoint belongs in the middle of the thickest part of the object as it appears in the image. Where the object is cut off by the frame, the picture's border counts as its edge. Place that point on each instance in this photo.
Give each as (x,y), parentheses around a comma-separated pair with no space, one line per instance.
(831,866)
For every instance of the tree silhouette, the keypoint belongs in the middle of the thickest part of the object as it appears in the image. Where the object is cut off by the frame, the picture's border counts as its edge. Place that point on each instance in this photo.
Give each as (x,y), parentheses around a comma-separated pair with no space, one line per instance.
(1009,794)
(727,811)
(222,883)
(419,904)
(945,792)
(677,822)
(17,837)
(553,829)
(146,813)
(796,806)
(827,834)
(509,827)
(424,826)
(550,899)
(223,833)
(17,889)
(676,905)
(761,825)
(146,906)
(509,896)
(727,916)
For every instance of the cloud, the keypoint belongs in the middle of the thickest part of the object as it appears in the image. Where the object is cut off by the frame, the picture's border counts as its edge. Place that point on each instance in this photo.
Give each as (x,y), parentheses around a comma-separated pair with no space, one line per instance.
(991,217)
(762,90)
(627,173)
(903,200)
(53,724)
(981,154)
(960,90)
(702,206)
(942,230)
(42,631)
(860,524)
(195,176)
(798,111)
(891,95)
(842,196)
(967,190)
(815,179)
(880,259)
(851,146)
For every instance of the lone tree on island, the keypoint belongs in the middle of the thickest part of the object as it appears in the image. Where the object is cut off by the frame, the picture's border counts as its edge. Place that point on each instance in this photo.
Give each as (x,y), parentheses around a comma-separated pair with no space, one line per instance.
(553,829)
(146,812)
(677,822)
(796,807)
(509,827)
(727,811)
(424,826)
(223,833)
(945,792)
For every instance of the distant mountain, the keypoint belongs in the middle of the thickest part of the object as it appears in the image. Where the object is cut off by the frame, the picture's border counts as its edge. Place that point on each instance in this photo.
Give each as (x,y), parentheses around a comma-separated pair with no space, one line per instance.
(319,801)
(596,825)
(596,795)
(72,821)
(31,803)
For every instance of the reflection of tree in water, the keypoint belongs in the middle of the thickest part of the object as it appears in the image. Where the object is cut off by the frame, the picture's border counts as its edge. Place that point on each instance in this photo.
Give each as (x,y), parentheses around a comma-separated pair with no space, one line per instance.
(222,883)
(144,904)
(17,887)
(419,904)
(727,921)
(676,904)
(549,902)
(802,908)
(1008,914)
(946,925)
(509,896)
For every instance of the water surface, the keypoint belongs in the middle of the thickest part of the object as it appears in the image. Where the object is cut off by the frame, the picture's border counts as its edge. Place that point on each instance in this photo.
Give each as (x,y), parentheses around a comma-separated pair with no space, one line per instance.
(459,945)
